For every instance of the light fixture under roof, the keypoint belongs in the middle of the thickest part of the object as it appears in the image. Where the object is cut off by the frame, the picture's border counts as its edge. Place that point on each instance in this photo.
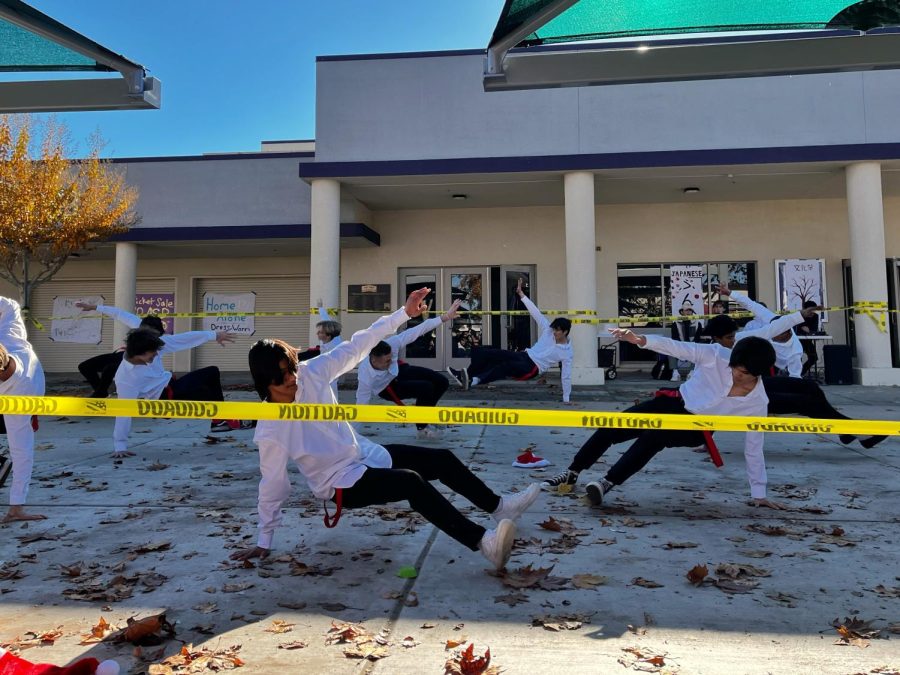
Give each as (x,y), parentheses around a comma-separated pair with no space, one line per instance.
(690,190)
(460,197)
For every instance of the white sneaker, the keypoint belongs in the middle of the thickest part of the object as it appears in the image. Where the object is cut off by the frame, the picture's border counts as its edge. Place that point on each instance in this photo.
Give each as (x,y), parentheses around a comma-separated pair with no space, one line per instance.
(513,506)
(455,376)
(496,545)
(676,376)
(429,433)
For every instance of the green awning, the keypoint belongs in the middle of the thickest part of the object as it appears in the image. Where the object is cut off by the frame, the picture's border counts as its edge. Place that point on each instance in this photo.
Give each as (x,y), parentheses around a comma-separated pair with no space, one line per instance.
(604,19)
(23,51)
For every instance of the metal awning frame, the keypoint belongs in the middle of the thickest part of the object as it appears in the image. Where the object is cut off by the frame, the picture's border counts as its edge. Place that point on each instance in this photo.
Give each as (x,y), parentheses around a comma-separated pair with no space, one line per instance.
(140,91)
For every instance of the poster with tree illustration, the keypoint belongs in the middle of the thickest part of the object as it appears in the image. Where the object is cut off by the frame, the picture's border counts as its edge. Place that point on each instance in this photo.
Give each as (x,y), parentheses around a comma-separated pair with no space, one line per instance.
(800,280)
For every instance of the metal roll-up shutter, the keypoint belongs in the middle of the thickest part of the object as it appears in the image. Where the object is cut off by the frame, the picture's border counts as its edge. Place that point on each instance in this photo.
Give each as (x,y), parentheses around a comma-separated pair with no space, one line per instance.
(273,294)
(64,357)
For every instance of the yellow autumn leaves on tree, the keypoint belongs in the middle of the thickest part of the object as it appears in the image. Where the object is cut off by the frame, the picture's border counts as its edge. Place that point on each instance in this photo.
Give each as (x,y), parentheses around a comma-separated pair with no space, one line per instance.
(52,206)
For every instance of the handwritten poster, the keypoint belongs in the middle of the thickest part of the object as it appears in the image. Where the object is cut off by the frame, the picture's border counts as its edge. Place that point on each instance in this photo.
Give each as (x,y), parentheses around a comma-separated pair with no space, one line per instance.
(229,308)
(156,303)
(77,329)
(800,280)
(686,288)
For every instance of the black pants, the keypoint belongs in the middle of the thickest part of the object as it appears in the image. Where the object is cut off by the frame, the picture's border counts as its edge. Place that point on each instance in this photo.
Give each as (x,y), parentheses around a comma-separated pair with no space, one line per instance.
(408,480)
(812,355)
(199,385)
(794,396)
(100,370)
(647,442)
(422,384)
(490,364)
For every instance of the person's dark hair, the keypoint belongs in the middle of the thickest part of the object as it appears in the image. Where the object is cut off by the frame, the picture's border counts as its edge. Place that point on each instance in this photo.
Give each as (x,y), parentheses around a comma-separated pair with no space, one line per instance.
(265,359)
(142,340)
(721,303)
(754,354)
(720,326)
(565,325)
(331,328)
(4,358)
(153,322)
(760,302)
(380,349)
(809,304)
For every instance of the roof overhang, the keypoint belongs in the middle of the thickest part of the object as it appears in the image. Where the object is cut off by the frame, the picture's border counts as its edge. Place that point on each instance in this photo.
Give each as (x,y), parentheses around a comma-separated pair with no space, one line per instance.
(696,58)
(134,91)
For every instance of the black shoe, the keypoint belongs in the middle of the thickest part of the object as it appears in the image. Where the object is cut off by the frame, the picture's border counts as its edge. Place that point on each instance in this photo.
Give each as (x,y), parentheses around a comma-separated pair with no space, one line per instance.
(248,424)
(97,393)
(466,380)
(5,468)
(564,482)
(846,439)
(871,441)
(597,490)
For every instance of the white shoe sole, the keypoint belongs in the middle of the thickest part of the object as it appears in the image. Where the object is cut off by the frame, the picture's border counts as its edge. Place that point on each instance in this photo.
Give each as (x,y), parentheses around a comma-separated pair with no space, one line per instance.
(454,378)
(506,534)
(532,465)
(594,493)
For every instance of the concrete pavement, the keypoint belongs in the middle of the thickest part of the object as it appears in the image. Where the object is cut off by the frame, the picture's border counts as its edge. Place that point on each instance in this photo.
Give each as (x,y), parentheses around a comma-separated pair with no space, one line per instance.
(161,527)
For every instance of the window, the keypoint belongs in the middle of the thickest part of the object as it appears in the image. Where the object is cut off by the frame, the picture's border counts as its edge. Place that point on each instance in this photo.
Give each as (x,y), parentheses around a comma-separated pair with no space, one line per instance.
(644,292)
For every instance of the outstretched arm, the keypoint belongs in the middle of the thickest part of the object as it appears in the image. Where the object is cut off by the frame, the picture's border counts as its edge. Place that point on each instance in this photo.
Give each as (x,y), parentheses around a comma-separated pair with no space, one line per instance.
(410,335)
(274,489)
(686,351)
(348,354)
(539,318)
(760,311)
(12,327)
(194,338)
(120,315)
(566,379)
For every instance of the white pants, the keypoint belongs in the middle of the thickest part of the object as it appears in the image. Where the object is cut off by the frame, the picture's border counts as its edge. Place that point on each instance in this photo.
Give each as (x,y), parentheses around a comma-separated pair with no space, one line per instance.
(20,437)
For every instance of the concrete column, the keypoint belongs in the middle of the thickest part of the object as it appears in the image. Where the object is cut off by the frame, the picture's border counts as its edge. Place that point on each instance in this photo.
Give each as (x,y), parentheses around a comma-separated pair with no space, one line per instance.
(865,213)
(581,272)
(126,285)
(324,247)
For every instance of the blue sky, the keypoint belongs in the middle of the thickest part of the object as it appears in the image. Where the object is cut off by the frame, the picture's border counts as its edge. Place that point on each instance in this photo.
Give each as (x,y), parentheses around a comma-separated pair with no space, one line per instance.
(236,72)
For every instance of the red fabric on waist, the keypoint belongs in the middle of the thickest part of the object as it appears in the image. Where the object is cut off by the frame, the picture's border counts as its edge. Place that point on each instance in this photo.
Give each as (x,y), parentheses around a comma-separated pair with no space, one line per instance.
(711,446)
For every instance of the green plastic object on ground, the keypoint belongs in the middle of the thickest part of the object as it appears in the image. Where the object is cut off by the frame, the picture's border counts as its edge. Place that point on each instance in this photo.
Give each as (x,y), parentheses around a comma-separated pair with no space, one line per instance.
(407,572)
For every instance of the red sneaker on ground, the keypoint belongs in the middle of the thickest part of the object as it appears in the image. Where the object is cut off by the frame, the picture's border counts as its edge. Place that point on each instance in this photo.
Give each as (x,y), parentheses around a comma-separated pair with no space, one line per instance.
(528,460)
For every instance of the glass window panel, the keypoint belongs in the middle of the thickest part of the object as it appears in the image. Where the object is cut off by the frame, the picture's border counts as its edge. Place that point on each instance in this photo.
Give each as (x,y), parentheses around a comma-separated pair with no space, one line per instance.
(425,347)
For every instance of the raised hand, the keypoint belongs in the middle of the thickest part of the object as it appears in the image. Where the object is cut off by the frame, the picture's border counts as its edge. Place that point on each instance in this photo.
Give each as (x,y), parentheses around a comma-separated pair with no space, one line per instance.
(520,287)
(415,303)
(222,337)
(627,335)
(86,306)
(453,312)
(810,312)
(723,289)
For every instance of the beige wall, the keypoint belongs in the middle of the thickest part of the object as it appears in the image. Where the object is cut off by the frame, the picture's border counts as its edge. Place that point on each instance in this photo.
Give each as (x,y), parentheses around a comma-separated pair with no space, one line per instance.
(759,231)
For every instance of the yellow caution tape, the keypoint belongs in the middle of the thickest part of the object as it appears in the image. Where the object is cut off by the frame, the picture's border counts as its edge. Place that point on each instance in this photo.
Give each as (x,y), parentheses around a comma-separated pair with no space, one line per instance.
(865,307)
(87,407)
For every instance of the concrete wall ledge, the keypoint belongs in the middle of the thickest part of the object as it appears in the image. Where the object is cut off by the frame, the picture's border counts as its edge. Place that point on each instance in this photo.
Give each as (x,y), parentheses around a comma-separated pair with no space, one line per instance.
(877,377)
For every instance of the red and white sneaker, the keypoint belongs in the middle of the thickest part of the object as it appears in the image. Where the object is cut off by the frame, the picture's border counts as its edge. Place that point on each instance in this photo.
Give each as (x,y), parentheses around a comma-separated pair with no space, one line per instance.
(529,460)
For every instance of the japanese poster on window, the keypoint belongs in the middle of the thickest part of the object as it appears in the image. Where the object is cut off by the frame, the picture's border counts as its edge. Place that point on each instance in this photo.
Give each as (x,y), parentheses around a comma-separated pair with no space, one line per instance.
(156,303)
(77,329)
(231,309)
(686,289)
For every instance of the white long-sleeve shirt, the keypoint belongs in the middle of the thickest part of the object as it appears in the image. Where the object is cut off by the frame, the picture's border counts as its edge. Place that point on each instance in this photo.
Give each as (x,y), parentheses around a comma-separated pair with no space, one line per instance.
(26,380)
(149,381)
(329,454)
(706,392)
(333,342)
(372,381)
(788,355)
(547,352)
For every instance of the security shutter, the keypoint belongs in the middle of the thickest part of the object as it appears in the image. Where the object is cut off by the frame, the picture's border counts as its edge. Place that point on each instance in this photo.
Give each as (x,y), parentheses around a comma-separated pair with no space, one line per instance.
(273,294)
(64,357)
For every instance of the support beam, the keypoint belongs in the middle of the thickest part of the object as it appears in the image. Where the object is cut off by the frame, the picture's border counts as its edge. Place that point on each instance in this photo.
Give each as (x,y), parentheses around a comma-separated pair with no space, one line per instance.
(325,247)
(126,285)
(581,273)
(865,212)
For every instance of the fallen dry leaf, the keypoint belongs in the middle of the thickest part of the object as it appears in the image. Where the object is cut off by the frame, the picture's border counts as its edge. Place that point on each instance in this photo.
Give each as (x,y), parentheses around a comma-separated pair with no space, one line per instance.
(736,585)
(524,577)
(887,592)
(466,663)
(98,633)
(190,660)
(643,660)
(296,644)
(645,583)
(697,574)
(278,626)
(588,581)
(741,570)
(680,544)
(855,632)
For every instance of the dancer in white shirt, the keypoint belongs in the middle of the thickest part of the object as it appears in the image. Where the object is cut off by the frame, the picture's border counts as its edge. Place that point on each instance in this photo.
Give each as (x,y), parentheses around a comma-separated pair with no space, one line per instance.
(352,471)
(20,375)
(724,382)
(328,333)
(385,375)
(553,346)
(788,350)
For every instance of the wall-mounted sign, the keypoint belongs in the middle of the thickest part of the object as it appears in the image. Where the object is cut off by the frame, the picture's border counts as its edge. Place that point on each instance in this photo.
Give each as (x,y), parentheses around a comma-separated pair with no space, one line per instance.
(230,311)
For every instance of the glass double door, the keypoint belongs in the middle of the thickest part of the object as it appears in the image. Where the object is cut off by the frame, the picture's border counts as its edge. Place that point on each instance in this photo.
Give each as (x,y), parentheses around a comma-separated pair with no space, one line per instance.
(479,289)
